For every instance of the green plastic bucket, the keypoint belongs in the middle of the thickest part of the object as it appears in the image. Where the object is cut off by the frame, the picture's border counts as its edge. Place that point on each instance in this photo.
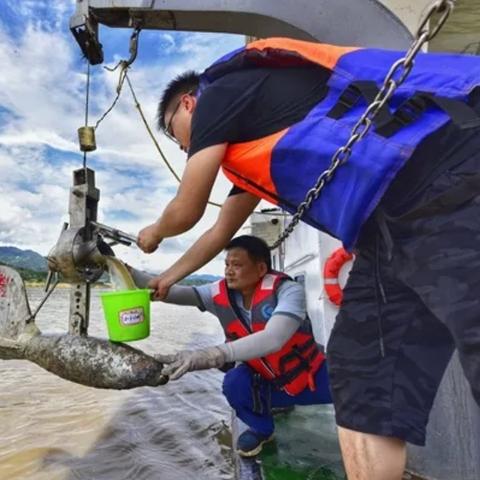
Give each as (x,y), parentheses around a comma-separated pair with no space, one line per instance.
(127,313)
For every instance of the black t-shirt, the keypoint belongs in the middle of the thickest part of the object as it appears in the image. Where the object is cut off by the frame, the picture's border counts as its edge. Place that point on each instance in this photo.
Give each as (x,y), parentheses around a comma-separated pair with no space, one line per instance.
(249,104)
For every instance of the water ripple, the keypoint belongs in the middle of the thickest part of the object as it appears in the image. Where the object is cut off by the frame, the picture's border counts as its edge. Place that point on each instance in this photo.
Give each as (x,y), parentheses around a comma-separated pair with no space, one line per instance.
(56,430)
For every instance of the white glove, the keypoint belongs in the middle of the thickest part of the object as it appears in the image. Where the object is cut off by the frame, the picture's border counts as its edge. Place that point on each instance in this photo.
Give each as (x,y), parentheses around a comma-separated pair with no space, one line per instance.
(190,360)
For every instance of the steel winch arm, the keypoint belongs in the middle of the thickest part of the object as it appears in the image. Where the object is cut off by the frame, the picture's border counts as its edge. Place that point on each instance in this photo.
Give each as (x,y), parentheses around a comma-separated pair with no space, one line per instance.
(79,256)
(79,259)
(115,235)
(365,23)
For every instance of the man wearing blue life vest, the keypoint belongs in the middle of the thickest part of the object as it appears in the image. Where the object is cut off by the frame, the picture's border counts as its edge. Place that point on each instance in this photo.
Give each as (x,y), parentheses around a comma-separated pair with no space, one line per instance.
(262,313)
(271,116)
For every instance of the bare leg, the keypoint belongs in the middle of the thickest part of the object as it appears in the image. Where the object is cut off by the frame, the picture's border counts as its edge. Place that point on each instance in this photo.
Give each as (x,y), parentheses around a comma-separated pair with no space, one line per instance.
(372,457)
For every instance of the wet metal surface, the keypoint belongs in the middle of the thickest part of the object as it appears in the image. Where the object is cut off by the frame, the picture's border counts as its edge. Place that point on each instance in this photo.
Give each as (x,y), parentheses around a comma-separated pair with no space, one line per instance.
(91,361)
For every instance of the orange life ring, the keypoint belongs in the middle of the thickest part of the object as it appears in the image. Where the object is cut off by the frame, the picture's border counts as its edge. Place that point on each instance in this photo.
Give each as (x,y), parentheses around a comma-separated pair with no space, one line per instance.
(332,268)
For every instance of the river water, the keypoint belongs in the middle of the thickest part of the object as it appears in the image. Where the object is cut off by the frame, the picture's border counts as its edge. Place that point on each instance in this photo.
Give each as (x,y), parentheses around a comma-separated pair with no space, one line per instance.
(52,429)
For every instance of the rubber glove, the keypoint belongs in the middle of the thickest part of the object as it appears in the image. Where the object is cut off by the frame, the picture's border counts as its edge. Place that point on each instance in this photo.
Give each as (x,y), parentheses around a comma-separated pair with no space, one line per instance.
(178,364)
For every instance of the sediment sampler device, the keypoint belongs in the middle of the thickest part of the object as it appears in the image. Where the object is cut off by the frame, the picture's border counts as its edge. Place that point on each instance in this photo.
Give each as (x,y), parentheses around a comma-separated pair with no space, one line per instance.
(79,259)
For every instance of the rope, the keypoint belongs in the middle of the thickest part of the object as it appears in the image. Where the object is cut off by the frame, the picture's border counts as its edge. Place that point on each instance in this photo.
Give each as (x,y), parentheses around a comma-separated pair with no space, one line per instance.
(124,76)
(87,95)
(155,142)
(149,130)
(121,81)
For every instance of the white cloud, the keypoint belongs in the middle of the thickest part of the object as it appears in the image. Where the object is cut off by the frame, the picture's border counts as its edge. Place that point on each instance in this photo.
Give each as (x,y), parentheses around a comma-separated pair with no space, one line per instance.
(42,94)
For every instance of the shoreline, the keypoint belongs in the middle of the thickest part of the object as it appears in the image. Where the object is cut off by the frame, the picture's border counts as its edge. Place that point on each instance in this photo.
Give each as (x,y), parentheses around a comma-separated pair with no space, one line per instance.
(62,285)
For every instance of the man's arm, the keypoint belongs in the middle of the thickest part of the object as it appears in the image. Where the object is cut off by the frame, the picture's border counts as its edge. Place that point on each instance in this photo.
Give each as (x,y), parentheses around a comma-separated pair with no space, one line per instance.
(199,296)
(178,294)
(279,329)
(290,312)
(232,216)
(188,206)
(276,334)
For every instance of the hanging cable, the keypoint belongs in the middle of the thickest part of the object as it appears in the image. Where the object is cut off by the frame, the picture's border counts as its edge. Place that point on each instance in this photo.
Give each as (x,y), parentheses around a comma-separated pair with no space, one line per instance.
(149,130)
(123,75)
(86,134)
(87,95)
(87,102)
(124,65)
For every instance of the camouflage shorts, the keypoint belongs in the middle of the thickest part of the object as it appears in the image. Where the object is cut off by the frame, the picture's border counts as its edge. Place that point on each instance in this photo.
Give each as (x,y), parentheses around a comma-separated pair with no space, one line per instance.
(407,307)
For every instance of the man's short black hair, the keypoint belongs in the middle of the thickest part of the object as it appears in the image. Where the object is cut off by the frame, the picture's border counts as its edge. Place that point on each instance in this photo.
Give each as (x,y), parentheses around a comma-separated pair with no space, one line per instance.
(256,248)
(183,83)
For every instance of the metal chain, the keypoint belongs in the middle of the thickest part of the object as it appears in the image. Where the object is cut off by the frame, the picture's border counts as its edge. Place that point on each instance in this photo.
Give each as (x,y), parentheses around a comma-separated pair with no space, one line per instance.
(395,77)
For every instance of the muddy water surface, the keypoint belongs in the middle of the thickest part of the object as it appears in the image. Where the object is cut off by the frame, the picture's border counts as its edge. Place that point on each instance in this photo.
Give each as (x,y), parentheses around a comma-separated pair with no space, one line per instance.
(52,429)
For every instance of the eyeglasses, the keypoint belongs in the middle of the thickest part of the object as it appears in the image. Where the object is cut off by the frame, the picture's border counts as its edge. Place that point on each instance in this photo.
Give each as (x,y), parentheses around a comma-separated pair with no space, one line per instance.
(168,129)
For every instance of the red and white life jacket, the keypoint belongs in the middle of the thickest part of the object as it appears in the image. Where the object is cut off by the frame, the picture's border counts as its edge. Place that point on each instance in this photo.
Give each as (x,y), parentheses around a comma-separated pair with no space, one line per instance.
(292,368)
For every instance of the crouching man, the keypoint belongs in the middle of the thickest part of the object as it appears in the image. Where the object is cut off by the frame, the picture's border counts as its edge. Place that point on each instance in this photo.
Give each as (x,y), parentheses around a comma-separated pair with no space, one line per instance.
(266,326)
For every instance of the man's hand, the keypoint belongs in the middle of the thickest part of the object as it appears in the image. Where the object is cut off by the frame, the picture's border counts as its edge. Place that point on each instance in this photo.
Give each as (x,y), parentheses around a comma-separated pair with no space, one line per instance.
(188,361)
(148,239)
(233,214)
(161,285)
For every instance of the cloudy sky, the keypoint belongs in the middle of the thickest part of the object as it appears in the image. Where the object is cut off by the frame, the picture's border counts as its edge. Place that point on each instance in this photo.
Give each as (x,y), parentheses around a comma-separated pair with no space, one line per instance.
(42,99)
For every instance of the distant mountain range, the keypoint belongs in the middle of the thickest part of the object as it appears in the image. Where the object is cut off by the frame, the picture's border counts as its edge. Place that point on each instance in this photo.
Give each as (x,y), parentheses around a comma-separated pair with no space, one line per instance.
(28,259)
(205,277)
(199,279)
(29,263)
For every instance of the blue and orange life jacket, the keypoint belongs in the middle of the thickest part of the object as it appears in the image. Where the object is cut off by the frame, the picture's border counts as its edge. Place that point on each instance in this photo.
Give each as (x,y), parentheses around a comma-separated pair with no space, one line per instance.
(283,166)
(292,368)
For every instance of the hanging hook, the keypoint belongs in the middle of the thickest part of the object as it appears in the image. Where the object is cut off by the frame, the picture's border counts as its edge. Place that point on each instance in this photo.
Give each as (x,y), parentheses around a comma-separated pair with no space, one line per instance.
(133,45)
(133,49)
(125,64)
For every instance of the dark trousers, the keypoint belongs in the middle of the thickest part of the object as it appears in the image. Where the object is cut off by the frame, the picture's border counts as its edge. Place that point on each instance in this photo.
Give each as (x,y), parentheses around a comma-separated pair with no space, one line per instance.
(412,298)
(238,386)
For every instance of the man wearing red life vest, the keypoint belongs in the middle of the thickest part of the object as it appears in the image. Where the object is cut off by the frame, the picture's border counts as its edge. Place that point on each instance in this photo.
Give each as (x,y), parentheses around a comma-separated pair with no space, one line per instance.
(266,326)
(271,116)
